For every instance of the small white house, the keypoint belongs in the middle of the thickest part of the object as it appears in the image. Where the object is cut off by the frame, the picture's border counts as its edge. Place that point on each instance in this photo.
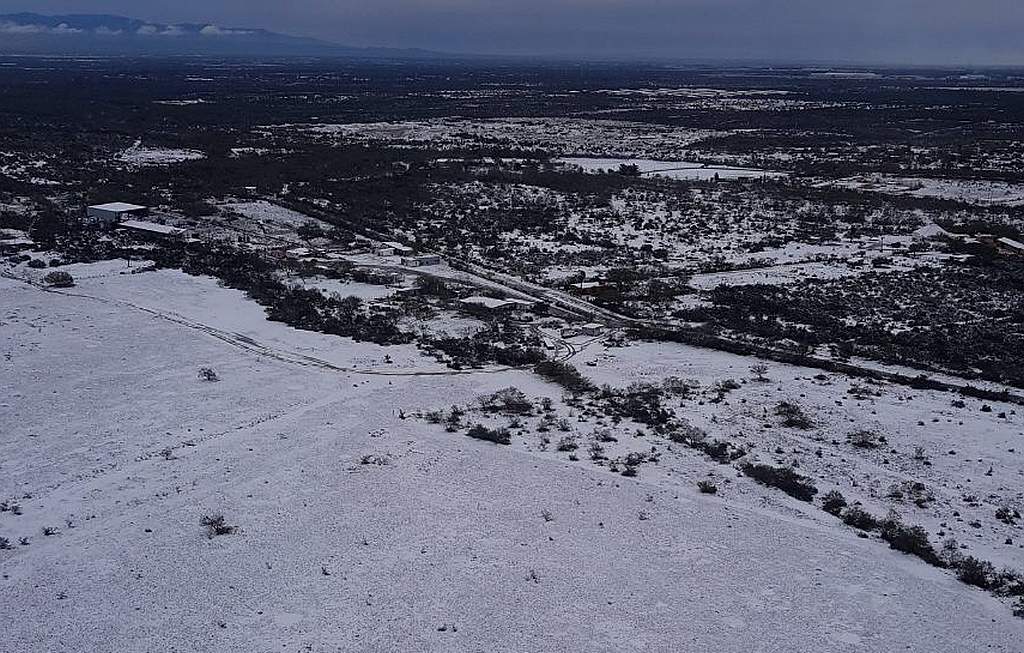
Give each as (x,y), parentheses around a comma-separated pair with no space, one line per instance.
(114,212)
(592,329)
(421,261)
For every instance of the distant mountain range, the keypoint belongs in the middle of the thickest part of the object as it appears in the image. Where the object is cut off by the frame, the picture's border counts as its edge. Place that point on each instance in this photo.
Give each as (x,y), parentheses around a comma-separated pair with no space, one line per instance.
(90,34)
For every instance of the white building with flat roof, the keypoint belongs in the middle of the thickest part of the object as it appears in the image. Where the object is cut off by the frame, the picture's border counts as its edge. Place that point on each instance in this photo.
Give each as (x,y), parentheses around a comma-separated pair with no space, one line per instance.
(114,212)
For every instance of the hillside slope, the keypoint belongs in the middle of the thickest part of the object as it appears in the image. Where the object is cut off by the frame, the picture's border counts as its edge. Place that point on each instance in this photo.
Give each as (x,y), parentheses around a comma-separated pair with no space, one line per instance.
(452,545)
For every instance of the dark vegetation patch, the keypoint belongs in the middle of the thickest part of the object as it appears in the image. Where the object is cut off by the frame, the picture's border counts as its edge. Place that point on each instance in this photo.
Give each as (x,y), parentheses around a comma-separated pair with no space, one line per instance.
(783,478)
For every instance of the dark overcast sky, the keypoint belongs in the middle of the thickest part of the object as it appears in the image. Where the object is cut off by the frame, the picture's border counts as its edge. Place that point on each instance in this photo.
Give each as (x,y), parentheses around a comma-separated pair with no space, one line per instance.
(884,31)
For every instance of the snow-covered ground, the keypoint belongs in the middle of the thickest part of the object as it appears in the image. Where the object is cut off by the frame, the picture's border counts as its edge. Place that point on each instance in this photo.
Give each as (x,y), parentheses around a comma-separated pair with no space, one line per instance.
(687,170)
(111,444)
(141,155)
(992,193)
(567,136)
(267,212)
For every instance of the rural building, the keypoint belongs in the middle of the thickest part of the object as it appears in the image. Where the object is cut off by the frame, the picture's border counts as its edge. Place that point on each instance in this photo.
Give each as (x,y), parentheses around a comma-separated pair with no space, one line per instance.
(152,230)
(115,212)
(422,260)
(392,249)
(569,332)
(487,305)
(592,329)
(521,304)
(1010,246)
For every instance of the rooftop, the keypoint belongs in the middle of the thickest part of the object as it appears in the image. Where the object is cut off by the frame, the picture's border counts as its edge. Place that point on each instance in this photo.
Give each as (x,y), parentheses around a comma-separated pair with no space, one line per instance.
(486,302)
(118,207)
(152,227)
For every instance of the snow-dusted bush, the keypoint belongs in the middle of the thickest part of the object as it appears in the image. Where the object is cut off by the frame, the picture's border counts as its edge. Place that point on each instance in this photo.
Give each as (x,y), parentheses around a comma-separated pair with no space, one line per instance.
(793,416)
(859,518)
(833,502)
(783,478)
(216,525)
(707,487)
(497,436)
(59,279)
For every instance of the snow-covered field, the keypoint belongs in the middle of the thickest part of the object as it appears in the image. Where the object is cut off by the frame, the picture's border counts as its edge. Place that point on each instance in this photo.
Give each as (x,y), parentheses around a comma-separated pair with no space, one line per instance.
(566,136)
(141,155)
(687,170)
(975,192)
(267,212)
(111,444)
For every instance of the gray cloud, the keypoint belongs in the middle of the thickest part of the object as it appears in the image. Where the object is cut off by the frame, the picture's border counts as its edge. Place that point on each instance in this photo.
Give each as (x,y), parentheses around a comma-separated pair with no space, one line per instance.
(18,28)
(898,31)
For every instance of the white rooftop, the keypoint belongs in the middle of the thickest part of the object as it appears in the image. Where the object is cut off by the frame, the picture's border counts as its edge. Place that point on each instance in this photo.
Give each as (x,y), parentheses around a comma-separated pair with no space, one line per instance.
(1010,242)
(153,227)
(118,207)
(486,302)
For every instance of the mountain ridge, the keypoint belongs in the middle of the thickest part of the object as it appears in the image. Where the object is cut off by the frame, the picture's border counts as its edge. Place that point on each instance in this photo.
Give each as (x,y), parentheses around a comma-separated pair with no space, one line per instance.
(106,34)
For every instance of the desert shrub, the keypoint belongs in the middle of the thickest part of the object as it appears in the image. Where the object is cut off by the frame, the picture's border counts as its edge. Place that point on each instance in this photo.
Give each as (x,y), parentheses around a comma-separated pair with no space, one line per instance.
(687,434)
(976,572)
(37,264)
(718,450)
(859,518)
(721,452)
(865,439)
(636,458)
(912,540)
(510,401)
(568,443)
(707,487)
(793,416)
(375,459)
(564,375)
(640,402)
(1007,515)
(59,279)
(5,544)
(833,502)
(207,374)
(216,525)
(498,436)
(783,478)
